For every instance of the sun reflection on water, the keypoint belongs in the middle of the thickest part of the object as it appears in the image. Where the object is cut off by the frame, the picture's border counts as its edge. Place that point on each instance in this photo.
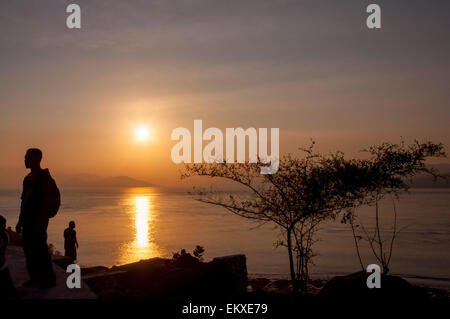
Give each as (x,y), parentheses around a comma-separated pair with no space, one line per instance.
(142,218)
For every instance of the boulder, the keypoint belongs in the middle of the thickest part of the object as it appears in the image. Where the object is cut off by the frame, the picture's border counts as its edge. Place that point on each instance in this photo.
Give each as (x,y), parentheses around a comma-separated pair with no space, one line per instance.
(183,277)
(62,261)
(257,284)
(354,287)
(93,270)
(186,276)
(236,266)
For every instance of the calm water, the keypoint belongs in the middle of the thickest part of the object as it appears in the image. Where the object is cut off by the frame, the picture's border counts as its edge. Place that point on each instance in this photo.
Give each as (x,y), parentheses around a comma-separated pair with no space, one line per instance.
(121,226)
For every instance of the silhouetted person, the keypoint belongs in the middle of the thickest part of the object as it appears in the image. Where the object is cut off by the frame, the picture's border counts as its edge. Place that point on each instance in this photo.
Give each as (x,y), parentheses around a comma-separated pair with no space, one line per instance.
(6,284)
(38,201)
(70,241)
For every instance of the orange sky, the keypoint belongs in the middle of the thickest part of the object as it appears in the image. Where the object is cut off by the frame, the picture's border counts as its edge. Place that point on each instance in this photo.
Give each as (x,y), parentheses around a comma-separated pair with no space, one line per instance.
(312,70)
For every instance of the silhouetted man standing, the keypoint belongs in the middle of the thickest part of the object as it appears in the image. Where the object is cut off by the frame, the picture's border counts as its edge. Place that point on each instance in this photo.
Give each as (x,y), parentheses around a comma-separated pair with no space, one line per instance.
(35,210)
(70,241)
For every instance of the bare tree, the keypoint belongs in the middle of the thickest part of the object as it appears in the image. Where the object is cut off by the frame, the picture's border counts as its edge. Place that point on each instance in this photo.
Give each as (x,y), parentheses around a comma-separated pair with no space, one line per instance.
(304,234)
(304,192)
(406,161)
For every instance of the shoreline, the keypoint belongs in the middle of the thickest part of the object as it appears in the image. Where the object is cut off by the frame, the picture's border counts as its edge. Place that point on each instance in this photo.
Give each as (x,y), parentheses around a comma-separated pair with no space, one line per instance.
(180,278)
(269,282)
(279,284)
(421,281)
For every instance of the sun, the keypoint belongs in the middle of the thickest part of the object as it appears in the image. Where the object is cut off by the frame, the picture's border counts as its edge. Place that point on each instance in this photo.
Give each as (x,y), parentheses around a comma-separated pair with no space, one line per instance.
(142,134)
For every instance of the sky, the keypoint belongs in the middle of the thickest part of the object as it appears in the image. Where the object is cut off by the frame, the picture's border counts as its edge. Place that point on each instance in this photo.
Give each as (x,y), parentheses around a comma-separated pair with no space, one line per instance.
(310,68)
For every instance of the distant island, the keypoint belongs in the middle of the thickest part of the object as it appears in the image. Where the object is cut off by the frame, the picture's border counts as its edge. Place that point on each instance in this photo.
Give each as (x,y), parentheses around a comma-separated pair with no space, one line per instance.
(88,180)
(95,181)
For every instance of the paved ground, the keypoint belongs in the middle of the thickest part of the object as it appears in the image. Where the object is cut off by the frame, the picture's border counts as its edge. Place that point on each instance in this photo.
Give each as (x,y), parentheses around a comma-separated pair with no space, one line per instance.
(16,262)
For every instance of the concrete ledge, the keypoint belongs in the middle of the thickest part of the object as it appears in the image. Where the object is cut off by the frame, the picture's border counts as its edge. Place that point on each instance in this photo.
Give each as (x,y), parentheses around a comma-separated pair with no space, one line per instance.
(16,262)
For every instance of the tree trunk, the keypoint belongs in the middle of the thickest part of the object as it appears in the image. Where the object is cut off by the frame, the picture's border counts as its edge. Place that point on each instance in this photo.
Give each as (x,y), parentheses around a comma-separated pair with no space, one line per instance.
(291,261)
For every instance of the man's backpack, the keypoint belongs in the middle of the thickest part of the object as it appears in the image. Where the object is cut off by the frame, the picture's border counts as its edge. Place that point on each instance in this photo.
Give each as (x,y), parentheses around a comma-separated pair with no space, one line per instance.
(55,201)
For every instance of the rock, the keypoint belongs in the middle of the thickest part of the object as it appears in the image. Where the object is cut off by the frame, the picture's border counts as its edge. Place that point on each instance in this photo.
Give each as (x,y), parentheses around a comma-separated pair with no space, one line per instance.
(93,270)
(62,261)
(236,265)
(353,287)
(19,274)
(145,265)
(258,284)
(105,284)
(279,286)
(183,282)
(188,277)
(167,278)
(186,260)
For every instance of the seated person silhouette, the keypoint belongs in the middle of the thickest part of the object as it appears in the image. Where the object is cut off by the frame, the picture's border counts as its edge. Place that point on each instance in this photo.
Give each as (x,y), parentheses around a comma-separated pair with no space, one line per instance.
(6,284)
(70,241)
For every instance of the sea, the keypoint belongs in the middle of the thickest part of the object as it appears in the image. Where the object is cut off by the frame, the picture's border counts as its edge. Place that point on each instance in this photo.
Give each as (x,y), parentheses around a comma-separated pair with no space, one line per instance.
(124,225)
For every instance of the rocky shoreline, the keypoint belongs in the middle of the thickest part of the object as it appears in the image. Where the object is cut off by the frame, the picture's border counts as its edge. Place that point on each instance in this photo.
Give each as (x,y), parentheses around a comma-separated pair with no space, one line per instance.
(225,277)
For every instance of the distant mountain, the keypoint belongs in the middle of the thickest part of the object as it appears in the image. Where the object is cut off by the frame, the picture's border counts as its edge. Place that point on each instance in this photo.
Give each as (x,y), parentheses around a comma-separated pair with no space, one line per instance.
(89,181)
(122,181)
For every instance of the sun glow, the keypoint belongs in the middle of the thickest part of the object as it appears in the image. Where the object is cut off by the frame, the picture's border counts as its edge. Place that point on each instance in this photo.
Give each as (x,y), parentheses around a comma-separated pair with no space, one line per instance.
(142,134)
